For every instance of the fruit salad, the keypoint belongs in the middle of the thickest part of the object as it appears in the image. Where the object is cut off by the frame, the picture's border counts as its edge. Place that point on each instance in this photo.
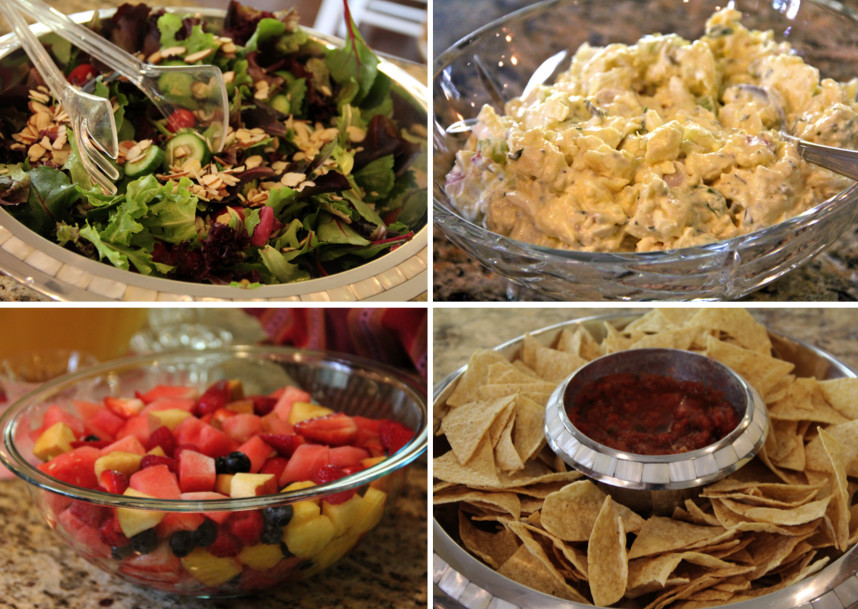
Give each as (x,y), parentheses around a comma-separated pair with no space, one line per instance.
(318,174)
(180,443)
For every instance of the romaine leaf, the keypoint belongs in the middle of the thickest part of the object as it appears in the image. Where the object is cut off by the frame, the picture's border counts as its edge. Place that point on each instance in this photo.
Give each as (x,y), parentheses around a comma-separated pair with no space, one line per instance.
(173,218)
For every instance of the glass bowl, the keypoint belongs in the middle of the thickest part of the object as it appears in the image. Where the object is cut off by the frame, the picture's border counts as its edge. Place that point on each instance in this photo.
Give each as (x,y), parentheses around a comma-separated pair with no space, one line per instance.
(349,384)
(499,59)
(61,274)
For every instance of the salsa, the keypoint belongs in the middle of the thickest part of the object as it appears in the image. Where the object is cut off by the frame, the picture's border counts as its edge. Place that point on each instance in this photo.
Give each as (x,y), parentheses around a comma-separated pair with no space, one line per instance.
(650,414)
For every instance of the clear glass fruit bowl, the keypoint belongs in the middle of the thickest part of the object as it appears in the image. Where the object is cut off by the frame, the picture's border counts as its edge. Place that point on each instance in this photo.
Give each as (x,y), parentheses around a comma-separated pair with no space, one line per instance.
(201,544)
(498,60)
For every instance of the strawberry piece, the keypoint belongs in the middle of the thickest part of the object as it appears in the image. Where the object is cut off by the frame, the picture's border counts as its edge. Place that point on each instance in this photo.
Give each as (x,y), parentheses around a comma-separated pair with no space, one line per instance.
(284,444)
(216,396)
(274,465)
(113,481)
(330,473)
(124,407)
(394,436)
(335,429)
(111,533)
(246,526)
(152,460)
(164,438)
(225,544)
(262,404)
(89,513)
(168,391)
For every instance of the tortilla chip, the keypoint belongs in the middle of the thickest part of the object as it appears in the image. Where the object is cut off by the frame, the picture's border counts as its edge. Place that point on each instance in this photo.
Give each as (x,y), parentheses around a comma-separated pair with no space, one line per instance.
(493,548)
(608,564)
(738,324)
(507,503)
(845,434)
(584,500)
(469,424)
(527,434)
(785,445)
(659,534)
(528,570)
(506,456)
(580,342)
(479,472)
(790,516)
(804,401)
(651,574)
(476,374)
(550,364)
(842,395)
(838,508)
(762,371)
(505,372)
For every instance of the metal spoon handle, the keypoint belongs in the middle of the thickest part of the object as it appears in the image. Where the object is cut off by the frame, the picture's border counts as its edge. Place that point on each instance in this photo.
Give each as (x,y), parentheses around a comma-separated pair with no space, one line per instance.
(839,160)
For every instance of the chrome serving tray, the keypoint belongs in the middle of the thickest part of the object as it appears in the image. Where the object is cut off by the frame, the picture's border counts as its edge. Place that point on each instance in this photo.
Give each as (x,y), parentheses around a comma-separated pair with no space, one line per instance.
(461,580)
(61,274)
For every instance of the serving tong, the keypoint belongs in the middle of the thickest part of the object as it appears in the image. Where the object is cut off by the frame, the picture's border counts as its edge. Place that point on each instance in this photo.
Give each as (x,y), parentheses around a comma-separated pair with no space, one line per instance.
(95,126)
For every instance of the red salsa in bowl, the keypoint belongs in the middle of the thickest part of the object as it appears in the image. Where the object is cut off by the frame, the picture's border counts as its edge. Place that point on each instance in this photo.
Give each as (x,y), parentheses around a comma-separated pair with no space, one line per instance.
(652,414)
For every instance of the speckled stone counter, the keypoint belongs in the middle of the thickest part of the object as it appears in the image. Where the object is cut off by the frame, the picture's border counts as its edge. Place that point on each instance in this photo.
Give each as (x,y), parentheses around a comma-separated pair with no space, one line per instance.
(831,276)
(386,571)
(458,332)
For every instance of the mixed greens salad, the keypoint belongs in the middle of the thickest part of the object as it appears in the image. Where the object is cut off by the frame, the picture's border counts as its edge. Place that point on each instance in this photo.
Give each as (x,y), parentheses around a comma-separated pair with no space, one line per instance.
(316,176)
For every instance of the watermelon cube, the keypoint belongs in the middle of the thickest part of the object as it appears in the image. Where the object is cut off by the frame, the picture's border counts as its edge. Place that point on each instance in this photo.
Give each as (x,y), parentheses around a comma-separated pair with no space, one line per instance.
(196,472)
(346,456)
(241,427)
(169,391)
(139,426)
(76,466)
(305,462)
(289,396)
(257,451)
(156,481)
(127,444)
(218,517)
(55,414)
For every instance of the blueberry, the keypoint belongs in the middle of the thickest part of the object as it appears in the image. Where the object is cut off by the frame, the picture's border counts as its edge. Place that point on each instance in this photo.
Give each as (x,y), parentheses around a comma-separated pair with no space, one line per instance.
(205,534)
(278,515)
(271,533)
(285,549)
(145,541)
(182,542)
(91,438)
(234,463)
(120,553)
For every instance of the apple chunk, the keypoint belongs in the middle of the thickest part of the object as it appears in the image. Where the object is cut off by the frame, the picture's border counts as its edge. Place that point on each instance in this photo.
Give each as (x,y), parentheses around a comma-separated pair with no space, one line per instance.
(132,520)
(251,485)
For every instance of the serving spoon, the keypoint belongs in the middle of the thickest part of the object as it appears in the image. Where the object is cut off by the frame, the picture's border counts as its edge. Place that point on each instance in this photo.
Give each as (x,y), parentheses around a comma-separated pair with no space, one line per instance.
(209,102)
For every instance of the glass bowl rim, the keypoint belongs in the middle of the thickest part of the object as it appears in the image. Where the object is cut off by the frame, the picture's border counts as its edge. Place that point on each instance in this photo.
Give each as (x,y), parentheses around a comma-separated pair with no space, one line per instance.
(444,211)
(15,461)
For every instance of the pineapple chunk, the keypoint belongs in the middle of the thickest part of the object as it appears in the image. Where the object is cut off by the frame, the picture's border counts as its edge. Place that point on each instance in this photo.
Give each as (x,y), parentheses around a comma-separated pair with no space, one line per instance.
(210,570)
(223,482)
(306,538)
(345,515)
(170,417)
(55,440)
(262,556)
(303,510)
(335,550)
(250,485)
(157,451)
(301,411)
(373,504)
(119,461)
(241,406)
(133,521)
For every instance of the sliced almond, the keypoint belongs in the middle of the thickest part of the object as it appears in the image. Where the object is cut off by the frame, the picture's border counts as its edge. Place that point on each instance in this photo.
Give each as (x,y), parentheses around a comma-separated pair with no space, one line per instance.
(292,179)
(198,56)
(36,152)
(253,162)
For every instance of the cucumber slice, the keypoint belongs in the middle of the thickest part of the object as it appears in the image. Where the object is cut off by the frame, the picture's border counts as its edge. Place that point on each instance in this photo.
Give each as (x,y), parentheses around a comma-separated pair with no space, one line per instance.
(281,103)
(185,146)
(152,159)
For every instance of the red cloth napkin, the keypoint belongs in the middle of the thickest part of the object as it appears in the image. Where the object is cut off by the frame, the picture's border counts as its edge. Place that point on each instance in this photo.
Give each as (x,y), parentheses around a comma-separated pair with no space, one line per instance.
(395,336)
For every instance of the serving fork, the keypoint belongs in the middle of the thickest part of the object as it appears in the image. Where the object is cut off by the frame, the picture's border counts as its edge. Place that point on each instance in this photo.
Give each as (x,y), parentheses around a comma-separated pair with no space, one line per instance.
(91,116)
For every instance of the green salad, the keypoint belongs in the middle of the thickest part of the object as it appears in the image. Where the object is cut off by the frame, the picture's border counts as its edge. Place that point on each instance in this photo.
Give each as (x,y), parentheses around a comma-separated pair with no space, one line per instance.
(318,174)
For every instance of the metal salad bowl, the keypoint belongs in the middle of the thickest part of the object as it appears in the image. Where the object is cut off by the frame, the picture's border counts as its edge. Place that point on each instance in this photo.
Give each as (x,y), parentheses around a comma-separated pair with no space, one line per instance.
(462,580)
(399,275)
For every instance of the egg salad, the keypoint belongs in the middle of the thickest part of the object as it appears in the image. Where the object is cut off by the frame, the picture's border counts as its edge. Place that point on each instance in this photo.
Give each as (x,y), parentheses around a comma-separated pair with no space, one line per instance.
(663,144)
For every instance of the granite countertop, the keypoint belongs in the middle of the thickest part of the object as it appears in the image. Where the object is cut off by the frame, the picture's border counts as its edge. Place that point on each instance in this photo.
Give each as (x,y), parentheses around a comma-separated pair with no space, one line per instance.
(831,276)
(387,570)
(459,332)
